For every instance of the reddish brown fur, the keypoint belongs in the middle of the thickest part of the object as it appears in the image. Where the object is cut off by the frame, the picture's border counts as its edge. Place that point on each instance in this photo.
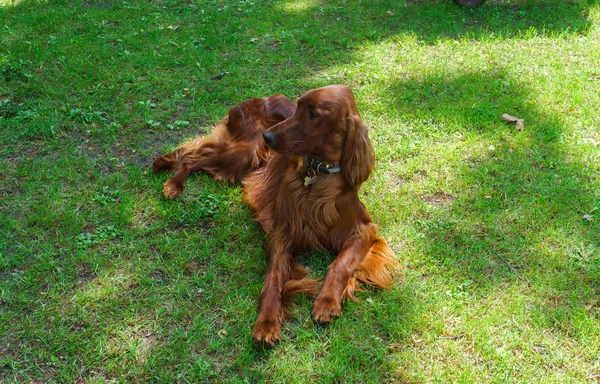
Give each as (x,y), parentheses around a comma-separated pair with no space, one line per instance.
(234,148)
(326,215)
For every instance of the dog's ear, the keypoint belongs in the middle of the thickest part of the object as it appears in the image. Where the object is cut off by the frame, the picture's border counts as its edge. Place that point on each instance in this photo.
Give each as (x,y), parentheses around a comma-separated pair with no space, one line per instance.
(358,157)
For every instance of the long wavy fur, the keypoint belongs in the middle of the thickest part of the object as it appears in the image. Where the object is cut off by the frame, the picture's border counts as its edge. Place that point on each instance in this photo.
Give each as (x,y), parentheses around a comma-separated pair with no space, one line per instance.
(325,214)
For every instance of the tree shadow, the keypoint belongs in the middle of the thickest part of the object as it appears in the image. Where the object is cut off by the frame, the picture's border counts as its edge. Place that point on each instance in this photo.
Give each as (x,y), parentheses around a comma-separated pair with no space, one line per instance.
(430,21)
(521,19)
(513,209)
(283,43)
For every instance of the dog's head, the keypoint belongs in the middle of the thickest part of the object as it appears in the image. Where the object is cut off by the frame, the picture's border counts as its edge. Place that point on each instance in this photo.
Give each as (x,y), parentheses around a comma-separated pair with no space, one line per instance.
(327,126)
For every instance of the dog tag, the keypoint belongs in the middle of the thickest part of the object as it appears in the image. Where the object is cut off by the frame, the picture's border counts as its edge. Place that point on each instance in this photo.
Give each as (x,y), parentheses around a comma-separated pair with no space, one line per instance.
(309,180)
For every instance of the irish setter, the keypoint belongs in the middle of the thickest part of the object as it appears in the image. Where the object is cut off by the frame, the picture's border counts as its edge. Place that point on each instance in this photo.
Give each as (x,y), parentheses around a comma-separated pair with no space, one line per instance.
(301,168)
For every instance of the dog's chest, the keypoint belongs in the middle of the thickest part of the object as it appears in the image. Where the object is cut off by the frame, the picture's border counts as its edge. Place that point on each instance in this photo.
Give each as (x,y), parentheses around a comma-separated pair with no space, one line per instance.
(305,215)
(315,212)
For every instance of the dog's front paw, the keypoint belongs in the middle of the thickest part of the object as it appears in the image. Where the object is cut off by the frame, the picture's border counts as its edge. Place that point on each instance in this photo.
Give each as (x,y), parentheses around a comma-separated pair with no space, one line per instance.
(172,189)
(326,308)
(266,332)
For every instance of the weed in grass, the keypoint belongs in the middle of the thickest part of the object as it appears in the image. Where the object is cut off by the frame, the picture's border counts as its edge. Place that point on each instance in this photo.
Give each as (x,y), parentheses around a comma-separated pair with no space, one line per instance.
(100,234)
(106,196)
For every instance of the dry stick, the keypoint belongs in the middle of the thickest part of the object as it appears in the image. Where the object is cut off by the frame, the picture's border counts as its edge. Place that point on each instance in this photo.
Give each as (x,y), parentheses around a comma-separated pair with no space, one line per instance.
(511,267)
(511,119)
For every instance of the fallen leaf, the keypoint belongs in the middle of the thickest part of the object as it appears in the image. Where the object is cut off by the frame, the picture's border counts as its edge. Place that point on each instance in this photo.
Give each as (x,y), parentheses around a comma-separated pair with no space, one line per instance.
(273,44)
(511,119)
(389,13)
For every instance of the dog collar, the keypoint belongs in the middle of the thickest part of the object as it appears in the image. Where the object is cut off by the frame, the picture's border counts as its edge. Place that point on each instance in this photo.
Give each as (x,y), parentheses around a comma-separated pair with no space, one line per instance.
(316,168)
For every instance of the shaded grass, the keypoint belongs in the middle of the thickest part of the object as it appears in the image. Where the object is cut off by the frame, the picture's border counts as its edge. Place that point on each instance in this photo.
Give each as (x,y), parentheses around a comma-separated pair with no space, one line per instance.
(102,280)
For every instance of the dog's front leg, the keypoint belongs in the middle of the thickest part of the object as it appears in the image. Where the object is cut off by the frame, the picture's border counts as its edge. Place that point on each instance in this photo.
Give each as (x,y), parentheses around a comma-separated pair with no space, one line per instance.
(328,304)
(266,330)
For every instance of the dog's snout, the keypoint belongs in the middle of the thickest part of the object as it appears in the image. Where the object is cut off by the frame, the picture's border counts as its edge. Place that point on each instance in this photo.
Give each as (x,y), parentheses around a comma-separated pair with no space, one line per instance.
(269,138)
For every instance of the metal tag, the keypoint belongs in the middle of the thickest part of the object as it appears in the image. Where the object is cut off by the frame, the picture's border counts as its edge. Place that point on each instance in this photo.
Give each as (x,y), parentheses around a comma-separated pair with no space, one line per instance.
(309,180)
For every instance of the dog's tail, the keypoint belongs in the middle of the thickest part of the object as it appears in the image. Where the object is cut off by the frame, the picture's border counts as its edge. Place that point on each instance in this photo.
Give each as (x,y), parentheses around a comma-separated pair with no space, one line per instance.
(377,269)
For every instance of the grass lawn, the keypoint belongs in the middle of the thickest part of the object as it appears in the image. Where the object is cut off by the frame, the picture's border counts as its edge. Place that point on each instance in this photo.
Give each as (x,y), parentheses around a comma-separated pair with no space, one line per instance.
(498,229)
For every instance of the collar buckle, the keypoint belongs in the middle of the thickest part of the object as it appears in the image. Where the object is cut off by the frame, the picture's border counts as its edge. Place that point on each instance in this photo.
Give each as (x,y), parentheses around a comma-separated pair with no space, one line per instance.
(318,167)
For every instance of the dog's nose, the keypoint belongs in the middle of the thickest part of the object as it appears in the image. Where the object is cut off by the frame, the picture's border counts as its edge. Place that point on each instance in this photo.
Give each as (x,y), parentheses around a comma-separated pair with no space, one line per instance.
(269,138)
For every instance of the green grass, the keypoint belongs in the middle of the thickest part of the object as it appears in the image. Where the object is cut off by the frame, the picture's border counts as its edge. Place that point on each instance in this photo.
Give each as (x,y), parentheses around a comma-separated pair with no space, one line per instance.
(103,280)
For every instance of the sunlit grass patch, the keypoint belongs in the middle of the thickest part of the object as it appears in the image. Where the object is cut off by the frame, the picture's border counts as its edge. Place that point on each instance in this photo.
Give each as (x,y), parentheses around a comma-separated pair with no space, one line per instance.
(297,6)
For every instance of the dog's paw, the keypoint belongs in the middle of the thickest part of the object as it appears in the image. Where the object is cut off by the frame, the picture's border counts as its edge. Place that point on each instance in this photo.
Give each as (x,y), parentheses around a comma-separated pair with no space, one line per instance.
(266,332)
(326,308)
(171,189)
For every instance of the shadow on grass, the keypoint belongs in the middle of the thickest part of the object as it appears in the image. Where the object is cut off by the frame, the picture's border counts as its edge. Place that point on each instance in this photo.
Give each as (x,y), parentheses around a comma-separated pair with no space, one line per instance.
(430,21)
(258,49)
(516,203)
(427,20)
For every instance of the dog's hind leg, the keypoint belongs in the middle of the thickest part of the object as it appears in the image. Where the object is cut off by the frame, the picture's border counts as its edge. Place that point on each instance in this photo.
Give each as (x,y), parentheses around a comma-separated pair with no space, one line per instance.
(187,159)
(234,148)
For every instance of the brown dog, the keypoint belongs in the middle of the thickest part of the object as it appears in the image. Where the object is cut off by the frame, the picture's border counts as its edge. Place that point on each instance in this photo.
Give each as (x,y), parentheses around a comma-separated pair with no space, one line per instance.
(301,167)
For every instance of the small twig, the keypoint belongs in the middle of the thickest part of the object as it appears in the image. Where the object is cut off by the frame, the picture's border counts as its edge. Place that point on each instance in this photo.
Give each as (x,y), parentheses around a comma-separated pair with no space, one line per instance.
(512,268)
(220,76)
(452,337)
(511,119)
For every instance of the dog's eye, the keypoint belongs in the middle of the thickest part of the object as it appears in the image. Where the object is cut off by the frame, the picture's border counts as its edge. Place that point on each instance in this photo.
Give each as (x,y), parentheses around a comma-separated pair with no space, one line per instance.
(312,114)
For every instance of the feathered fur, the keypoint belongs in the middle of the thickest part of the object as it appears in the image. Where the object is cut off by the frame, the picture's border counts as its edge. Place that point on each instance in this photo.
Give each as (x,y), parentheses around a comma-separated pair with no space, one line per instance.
(325,215)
